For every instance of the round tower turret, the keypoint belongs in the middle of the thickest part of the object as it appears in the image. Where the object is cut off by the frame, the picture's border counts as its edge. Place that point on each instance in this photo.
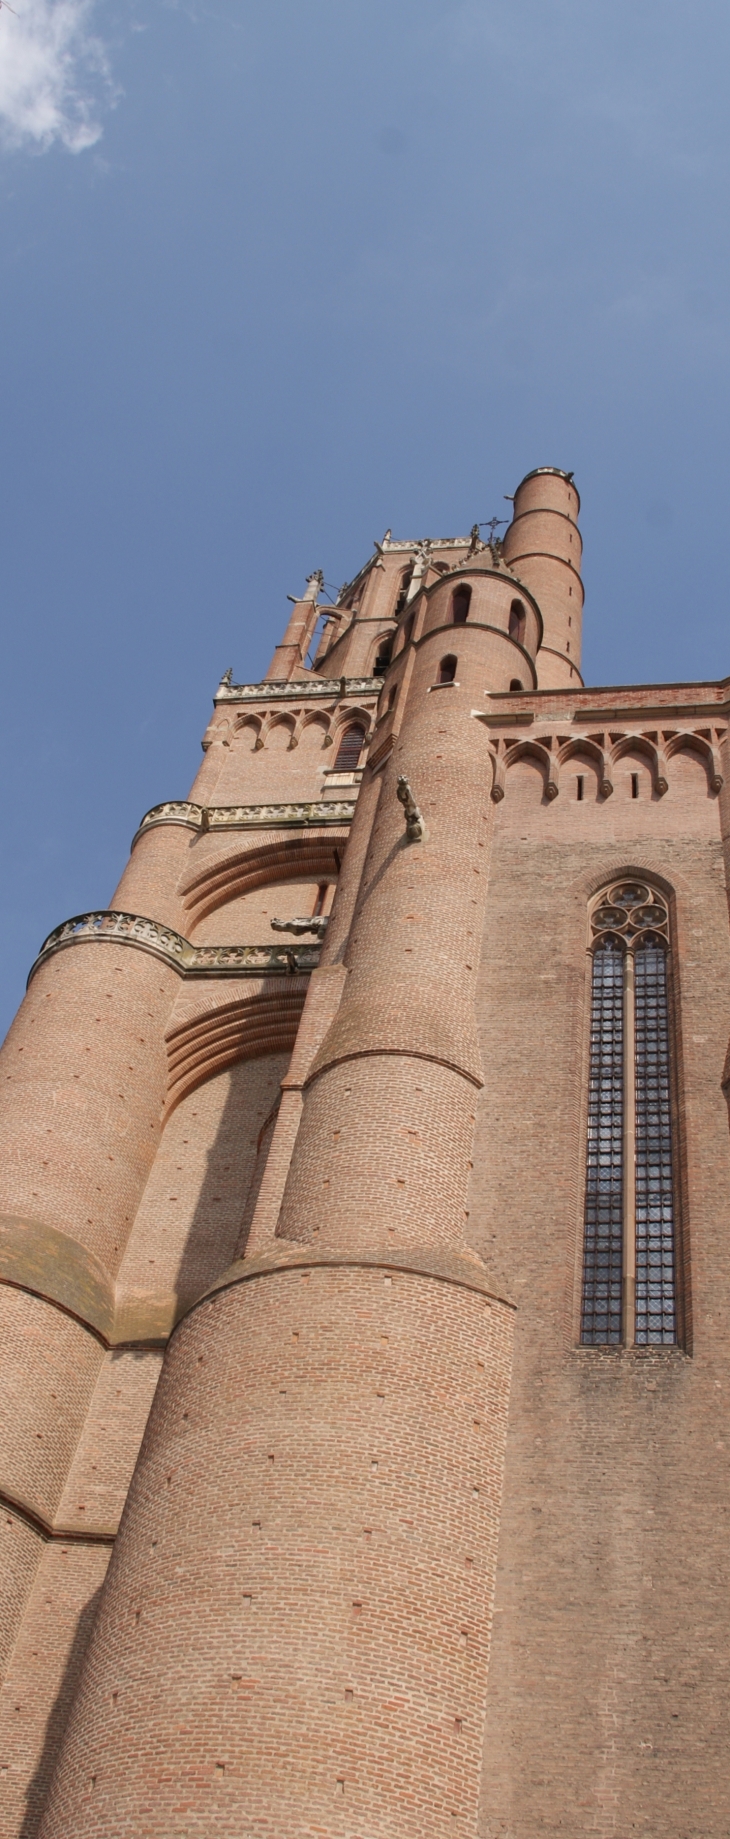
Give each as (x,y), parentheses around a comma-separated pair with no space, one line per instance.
(543,548)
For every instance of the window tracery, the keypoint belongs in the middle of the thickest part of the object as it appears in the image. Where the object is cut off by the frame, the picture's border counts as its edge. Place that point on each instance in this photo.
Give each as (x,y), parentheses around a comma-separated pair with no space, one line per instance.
(629,1258)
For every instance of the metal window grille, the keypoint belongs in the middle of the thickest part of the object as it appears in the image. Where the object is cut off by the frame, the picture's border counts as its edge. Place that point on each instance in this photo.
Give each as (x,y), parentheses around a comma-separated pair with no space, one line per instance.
(603,1258)
(655,1288)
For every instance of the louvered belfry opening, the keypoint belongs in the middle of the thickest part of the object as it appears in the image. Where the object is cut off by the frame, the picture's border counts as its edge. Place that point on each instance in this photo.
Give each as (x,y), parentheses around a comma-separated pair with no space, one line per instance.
(350,749)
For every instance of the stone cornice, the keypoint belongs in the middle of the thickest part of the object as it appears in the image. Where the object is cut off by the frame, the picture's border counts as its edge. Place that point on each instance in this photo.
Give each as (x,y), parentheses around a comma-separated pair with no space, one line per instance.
(188,960)
(290,689)
(248,817)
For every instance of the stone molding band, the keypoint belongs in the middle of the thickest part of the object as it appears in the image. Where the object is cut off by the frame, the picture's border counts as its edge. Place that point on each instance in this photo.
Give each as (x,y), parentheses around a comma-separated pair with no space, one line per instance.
(277,688)
(248,817)
(441,1266)
(67,1535)
(107,927)
(53,1266)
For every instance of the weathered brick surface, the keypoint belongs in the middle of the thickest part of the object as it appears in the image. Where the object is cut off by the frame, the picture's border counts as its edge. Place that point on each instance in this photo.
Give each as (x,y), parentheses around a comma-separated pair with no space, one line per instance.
(83,1074)
(41,1679)
(50,1368)
(608,1681)
(313,1640)
(21,1549)
(105,1455)
(189,1221)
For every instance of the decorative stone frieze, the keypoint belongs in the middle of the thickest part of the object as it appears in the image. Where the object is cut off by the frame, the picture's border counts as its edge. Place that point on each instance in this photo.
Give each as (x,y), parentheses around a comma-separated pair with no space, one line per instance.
(248,817)
(274,691)
(188,960)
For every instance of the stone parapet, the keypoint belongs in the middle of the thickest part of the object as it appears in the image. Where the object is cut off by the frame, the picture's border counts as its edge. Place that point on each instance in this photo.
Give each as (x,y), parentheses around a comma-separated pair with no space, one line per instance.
(188,960)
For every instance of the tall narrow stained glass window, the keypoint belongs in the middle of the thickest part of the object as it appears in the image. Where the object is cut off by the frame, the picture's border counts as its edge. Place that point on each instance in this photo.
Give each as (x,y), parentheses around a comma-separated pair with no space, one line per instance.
(629,1247)
(604,1214)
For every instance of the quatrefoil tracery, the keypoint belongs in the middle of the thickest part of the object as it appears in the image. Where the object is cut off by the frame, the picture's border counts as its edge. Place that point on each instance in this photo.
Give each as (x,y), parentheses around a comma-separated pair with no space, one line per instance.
(631,912)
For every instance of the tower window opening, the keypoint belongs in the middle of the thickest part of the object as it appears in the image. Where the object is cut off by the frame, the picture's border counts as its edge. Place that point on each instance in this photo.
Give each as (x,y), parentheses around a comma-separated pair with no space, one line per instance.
(580,783)
(517,621)
(318,907)
(405,582)
(515,684)
(391,698)
(350,749)
(568,645)
(460,602)
(447,669)
(634,785)
(629,1282)
(383,658)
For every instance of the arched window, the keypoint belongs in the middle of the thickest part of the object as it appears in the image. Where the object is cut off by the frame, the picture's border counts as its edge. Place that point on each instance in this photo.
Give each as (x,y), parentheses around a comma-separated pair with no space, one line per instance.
(447,669)
(629,1262)
(350,749)
(515,683)
(517,621)
(383,658)
(405,582)
(460,601)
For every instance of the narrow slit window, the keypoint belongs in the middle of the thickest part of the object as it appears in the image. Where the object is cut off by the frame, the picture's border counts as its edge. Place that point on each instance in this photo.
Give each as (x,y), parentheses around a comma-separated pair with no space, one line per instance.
(629,1262)
(405,582)
(460,603)
(447,669)
(517,621)
(322,892)
(580,783)
(383,657)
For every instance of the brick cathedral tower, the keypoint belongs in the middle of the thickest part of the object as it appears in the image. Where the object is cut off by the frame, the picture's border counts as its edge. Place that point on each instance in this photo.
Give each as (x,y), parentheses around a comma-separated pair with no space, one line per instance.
(364,1263)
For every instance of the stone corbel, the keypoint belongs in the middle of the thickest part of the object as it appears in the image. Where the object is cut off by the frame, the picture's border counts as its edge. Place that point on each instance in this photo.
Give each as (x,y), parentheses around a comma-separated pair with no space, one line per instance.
(661,779)
(499,775)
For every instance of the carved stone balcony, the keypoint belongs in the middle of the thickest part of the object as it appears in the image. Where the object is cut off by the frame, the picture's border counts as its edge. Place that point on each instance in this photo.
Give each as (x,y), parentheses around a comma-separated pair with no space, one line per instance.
(248,817)
(188,960)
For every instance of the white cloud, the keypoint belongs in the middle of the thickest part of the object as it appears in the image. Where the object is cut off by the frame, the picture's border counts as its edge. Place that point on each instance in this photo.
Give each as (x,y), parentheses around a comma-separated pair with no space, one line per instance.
(52,75)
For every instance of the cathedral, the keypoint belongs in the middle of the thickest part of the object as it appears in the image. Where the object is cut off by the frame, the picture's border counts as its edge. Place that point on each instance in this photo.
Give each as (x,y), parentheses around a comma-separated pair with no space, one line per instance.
(365,1250)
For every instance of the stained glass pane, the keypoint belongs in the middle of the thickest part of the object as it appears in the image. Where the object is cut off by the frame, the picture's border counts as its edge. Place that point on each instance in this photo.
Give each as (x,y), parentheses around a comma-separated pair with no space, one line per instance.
(603,1252)
(655,1299)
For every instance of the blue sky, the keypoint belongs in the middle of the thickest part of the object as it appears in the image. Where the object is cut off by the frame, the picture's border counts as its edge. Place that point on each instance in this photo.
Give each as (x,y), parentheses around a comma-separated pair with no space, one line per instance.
(276,277)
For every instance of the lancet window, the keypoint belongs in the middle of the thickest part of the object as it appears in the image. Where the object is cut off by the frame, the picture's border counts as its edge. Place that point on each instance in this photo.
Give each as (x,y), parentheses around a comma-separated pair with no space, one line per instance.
(629,1260)
(350,748)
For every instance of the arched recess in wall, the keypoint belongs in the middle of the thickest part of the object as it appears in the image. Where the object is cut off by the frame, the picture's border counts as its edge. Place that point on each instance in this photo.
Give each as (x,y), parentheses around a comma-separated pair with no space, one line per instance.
(190,1221)
(525,774)
(692,771)
(306,855)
